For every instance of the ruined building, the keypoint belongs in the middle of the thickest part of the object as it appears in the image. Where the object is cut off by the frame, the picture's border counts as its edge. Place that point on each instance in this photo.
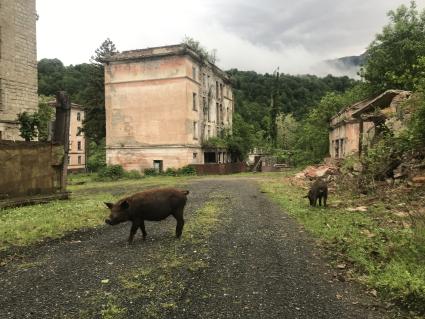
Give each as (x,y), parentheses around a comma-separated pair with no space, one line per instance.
(162,105)
(357,126)
(18,64)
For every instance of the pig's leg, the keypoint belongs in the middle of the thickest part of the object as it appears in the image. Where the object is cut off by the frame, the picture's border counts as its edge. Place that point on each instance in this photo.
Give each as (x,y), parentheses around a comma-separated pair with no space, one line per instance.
(142,227)
(325,198)
(133,231)
(320,200)
(178,215)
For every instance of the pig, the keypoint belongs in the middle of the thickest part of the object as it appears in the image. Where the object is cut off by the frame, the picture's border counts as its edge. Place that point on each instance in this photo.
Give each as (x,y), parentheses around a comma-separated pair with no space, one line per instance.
(318,190)
(151,205)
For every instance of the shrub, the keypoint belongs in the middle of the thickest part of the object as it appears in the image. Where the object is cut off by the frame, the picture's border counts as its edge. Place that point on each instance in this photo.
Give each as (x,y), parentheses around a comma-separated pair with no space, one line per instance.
(112,172)
(186,170)
(96,156)
(150,172)
(133,174)
(170,172)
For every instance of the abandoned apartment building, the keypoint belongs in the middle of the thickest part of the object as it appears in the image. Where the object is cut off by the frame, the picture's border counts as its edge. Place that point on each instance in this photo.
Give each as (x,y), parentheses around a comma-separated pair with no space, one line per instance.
(357,126)
(18,64)
(77,140)
(162,104)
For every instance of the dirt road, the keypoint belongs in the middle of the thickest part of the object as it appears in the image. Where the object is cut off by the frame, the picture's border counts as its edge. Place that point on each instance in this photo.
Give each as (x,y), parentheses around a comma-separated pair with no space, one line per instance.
(240,257)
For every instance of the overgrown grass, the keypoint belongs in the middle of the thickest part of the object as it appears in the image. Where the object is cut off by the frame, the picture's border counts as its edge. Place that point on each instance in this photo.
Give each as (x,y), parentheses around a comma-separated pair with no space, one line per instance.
(160,282)
(26,225)
(378,247)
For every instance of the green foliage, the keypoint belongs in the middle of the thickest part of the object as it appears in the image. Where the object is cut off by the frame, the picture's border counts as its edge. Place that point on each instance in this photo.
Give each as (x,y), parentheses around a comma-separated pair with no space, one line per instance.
(186,171)
(204,54)
(133,174)
(313,135)
(28,126)
(393,59)
(111,172)
(96,156)
(45,115)
(416,126)
(150,172)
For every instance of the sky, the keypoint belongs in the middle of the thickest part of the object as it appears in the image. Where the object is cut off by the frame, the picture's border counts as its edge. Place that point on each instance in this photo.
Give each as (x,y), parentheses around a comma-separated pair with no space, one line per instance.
(258,35)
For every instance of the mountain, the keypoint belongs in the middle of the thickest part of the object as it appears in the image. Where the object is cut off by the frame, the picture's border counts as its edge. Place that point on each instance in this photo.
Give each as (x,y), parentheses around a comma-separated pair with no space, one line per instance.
(349,65)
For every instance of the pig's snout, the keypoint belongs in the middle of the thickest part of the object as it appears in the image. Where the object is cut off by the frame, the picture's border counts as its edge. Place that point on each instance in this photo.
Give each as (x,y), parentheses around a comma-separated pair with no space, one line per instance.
(108,221)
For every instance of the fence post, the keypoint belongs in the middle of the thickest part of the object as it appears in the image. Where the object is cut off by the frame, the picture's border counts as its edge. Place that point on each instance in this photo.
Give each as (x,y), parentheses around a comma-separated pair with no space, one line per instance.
(61,131)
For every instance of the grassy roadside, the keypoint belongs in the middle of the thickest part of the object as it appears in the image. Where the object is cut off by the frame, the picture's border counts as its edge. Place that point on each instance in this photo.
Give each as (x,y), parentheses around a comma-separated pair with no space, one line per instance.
(160,283)
(27,225)
(377,247)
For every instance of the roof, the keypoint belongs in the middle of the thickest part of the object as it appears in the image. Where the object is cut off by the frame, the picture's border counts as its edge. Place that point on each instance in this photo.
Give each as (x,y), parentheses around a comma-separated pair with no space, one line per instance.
(366,105)
(161,51)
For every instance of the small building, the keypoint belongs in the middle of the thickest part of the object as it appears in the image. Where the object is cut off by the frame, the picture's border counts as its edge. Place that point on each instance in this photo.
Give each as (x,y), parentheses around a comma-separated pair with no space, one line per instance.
(77,141)
(18,64)
(357,125)
(162,105)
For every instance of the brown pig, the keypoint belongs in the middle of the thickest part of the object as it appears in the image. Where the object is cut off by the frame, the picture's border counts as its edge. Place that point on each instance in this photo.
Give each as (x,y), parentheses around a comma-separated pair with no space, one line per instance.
(151,205)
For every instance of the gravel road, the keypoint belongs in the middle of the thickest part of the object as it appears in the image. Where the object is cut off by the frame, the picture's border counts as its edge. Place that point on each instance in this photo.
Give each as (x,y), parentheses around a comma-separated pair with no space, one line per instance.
(261,264)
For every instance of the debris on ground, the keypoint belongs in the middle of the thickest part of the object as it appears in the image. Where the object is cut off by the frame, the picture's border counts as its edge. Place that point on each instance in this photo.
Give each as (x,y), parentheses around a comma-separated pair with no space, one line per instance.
(324,171)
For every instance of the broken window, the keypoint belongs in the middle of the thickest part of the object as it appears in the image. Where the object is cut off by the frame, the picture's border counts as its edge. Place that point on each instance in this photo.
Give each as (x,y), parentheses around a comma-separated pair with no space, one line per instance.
(194,73)
(79,145)
(216,90)
(78,116)
(217,115)
(158,166)
(195,96)
(195,130)
(79,131)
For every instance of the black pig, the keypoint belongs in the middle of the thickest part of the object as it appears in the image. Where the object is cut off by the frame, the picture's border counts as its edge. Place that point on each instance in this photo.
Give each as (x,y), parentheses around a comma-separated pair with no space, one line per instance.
(152,205)
(318,190)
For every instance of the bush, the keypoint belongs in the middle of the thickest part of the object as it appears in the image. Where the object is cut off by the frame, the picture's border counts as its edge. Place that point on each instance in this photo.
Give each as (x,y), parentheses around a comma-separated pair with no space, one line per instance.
(112,172)
(133,174)
(150,172)
(170,172)
(96,156)
(186,170)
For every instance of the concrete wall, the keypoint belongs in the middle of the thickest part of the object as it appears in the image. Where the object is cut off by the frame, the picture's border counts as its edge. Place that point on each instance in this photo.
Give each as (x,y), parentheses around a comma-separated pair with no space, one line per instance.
(155,110)
(29,168)
(18,64)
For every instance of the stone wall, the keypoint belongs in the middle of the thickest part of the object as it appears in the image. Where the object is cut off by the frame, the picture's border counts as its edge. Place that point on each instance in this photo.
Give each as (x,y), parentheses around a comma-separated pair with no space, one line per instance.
(18,63)
(29,168)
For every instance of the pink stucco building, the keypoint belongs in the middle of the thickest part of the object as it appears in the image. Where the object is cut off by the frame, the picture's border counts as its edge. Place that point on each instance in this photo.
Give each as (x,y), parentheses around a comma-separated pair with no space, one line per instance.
(161,105)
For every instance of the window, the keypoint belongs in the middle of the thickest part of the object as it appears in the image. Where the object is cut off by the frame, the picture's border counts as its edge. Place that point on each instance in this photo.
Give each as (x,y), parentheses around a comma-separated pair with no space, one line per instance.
(195,155)
(79,145)
(1,135)
(158,165)
(216,90)
(195,97)
(79,160)
(78,116)
(194,73)
(217,111)
(79,131)
(209,132)
(195,130)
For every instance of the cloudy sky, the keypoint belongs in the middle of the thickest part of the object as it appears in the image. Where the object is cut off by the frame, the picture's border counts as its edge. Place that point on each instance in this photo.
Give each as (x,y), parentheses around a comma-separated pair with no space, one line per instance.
(248,34)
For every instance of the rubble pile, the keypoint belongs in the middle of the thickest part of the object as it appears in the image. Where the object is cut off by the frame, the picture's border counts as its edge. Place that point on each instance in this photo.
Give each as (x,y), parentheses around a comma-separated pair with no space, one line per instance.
(323,171)
(411,172)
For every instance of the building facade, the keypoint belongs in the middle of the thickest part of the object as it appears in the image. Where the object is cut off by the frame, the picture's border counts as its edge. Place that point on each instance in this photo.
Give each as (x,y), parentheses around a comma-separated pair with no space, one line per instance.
(18,64)
(357,126)
(77,141)
(162,104)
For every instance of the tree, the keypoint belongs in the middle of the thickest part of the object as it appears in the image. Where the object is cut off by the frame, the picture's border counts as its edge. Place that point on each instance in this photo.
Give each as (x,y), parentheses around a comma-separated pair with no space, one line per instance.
(50,76)
(204,54)
(393,58)
(94,95)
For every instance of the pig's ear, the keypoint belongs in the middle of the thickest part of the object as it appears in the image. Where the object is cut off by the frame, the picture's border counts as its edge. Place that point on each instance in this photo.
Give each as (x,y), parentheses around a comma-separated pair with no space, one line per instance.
(109,205)
(124,205)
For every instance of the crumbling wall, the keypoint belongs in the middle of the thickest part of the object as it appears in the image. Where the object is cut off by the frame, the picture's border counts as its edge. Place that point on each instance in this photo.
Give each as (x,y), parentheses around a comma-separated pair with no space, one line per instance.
(29,168)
